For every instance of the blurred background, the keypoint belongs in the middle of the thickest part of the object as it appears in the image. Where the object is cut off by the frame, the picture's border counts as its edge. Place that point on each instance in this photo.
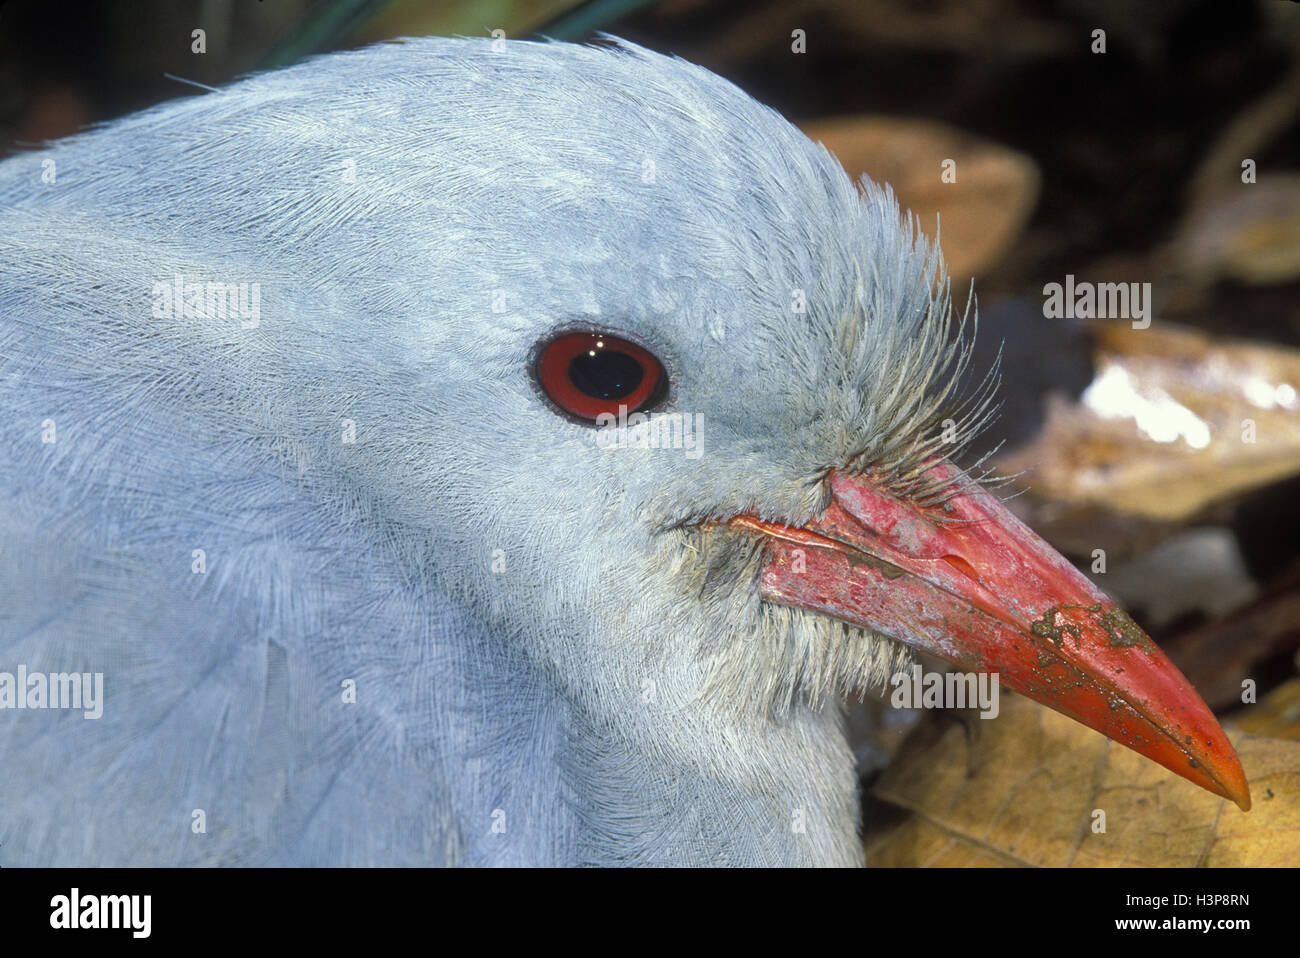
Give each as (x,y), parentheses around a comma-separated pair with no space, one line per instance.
(1106,140)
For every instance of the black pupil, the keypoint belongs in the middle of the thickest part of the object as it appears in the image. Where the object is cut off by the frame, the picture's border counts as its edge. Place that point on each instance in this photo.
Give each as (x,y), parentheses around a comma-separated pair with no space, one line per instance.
(606,373)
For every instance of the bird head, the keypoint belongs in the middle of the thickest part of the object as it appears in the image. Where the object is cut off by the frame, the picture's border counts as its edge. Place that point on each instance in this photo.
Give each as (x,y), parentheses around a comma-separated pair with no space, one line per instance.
(548,241)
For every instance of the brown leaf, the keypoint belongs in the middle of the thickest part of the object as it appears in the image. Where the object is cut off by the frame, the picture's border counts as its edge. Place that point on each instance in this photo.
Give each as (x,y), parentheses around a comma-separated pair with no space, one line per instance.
(1251,234)
(1163,432)
(1024,789)
(981,213)
(1277,715)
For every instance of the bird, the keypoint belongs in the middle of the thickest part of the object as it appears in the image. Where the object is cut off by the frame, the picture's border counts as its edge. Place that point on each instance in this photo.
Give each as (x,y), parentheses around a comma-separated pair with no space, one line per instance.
(463,451)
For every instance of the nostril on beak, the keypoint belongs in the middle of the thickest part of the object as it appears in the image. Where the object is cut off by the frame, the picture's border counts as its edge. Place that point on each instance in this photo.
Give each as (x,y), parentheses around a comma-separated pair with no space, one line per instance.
(962,566)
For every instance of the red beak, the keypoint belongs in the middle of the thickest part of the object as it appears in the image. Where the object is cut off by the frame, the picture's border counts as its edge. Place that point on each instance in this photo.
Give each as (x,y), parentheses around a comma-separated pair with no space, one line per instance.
(982,591)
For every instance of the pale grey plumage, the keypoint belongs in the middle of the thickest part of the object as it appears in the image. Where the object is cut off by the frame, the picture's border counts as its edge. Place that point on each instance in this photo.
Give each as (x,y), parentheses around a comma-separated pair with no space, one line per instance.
(618,693)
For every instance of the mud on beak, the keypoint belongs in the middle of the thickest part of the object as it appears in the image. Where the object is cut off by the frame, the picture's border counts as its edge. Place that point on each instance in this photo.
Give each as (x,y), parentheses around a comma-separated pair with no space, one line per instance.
(985,593)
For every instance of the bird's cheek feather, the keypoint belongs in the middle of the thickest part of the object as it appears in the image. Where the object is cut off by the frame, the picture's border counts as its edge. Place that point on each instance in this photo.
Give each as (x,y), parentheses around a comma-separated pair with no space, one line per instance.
(982,591)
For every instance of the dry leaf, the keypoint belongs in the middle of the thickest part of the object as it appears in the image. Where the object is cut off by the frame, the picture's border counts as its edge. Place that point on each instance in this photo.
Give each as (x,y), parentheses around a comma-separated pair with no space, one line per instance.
(1277,715)
(1025,789)
(1251,234)
(980,214)
(1173,421)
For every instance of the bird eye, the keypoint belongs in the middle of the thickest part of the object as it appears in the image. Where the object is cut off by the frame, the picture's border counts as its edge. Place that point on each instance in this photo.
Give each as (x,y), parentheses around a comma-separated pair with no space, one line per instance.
(587,374)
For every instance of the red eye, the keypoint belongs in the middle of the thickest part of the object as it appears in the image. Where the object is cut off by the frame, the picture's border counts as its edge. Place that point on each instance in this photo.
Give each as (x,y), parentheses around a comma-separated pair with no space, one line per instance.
(587,374)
